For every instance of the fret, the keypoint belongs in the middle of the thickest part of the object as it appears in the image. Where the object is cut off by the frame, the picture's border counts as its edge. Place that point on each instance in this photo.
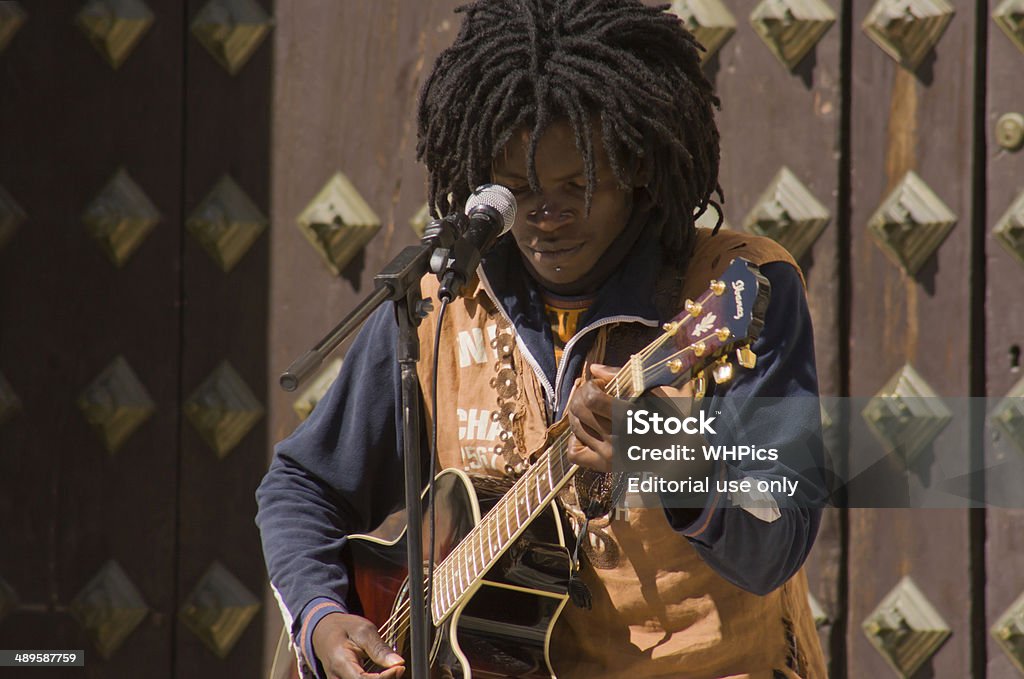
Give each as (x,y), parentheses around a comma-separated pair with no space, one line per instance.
(460,556)
(483,557)
(447,584)
(476,569)
(515,501)
(526,497)
(508,524)
(540,493)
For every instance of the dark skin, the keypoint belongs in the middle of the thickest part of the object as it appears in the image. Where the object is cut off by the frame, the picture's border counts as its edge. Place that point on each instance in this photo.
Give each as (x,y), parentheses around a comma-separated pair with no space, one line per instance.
(565,249)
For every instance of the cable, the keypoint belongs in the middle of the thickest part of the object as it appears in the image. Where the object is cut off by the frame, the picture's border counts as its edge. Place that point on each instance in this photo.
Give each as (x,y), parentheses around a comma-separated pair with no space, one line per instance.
(433,461)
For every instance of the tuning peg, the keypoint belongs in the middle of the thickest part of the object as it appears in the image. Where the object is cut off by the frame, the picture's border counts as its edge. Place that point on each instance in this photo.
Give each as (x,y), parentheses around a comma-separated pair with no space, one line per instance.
(692,308)
(700,348)
(718,287)
(700,385)
(670,328)
(722,371)
(675,366)
(745,357)
(723,334)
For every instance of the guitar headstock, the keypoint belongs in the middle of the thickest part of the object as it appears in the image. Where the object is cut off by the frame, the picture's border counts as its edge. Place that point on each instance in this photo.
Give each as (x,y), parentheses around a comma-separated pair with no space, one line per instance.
(727,318)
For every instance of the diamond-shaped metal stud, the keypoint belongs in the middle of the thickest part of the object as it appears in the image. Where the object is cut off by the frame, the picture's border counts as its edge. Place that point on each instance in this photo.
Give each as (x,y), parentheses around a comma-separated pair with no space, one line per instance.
(419,221)
(226,223)
(8,599)
(120,217)
(114,27)
(306,401)
(116,404)
(911,223)
(12,16)
(817,612)
(708,220)
(11,216)
(788,213)
(1008,631)
(709,21)
(1009,230)
(231,30)
(109,607)
(219,609)
(1009,16)
(906,414)
(905,628)
(9,401)
(223,409)
(790,28)
(907,30)
(338,222)
(1008,416)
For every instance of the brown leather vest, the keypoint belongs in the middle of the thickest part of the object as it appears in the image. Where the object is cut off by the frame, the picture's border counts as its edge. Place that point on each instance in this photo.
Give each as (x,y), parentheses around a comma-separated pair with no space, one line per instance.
(659,610)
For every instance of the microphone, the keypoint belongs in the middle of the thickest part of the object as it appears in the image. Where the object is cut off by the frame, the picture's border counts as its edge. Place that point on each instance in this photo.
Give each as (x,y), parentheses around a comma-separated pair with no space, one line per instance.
(491,210)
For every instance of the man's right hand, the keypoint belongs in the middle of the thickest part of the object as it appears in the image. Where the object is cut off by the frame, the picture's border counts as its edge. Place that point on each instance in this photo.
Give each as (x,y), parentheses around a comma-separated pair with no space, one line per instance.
(343,642)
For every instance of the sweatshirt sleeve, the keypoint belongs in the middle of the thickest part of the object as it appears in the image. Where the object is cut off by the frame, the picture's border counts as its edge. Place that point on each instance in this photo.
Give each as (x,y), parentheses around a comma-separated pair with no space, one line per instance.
(758,541)
(340,472)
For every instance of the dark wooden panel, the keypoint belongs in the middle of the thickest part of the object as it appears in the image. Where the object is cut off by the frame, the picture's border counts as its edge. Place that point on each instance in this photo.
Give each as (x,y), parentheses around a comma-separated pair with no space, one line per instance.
(773,117)
(923,122)
(1004,551)
(224,319)
(68,121)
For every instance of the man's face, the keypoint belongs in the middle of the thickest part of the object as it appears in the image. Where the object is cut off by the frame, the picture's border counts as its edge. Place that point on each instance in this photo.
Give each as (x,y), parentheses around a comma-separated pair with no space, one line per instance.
(559,241)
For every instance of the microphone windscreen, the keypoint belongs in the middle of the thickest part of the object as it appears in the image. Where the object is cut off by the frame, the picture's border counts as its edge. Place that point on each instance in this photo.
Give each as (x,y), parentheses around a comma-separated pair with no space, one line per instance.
(497,197)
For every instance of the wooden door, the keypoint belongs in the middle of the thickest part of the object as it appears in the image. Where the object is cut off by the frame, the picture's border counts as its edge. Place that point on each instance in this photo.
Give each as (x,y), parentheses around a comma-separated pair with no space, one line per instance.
(178,221)
(133,297)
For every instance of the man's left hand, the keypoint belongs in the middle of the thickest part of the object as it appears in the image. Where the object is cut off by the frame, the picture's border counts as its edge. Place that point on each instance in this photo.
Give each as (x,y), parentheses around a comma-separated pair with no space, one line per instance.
(590,418)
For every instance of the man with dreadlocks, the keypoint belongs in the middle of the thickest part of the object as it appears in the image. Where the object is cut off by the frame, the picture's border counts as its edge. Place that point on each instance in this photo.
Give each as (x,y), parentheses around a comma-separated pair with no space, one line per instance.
(596,115)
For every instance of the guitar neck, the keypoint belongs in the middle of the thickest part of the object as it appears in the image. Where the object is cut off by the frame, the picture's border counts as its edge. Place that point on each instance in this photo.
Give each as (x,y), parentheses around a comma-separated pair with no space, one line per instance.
(466,565)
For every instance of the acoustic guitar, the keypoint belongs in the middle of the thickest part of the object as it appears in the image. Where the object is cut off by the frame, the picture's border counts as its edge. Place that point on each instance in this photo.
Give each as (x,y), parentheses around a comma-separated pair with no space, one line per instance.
(502,558)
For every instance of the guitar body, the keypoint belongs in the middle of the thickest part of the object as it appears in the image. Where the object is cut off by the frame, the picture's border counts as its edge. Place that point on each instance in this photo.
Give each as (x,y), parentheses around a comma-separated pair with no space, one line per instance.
(502,626)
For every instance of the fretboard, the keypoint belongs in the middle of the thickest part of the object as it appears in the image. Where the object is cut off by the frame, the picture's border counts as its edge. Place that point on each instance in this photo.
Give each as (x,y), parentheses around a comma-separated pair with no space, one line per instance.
(464,567)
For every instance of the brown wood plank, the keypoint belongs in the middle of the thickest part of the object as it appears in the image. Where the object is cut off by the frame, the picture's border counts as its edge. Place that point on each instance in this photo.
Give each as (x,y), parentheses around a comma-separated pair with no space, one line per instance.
(225,319)
(346,80)
(67,506)
(773,117)
(1004,325)
(923,122)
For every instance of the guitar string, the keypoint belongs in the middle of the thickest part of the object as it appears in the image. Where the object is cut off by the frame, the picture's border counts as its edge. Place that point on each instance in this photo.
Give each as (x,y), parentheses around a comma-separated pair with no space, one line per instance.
(398,623)
(621,380)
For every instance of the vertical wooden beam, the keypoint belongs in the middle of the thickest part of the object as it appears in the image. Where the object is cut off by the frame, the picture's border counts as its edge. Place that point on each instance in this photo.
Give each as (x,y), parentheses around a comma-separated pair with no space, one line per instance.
(773,117)
(225,319)
(346,81)
(1004,326)
(920,121)
(67,505)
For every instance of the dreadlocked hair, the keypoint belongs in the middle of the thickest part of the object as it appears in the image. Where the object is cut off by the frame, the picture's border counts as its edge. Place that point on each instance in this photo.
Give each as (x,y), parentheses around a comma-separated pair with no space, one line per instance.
(631,68)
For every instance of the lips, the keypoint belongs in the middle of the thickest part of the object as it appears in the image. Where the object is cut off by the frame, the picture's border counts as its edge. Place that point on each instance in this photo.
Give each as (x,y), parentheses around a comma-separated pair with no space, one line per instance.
(554,253)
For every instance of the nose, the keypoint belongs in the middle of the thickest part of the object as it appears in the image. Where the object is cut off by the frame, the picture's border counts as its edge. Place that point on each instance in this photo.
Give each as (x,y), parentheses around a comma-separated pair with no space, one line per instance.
(548,217)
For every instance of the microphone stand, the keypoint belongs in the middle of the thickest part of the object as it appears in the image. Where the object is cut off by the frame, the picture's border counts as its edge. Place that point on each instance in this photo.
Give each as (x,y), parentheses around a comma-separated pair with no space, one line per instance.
(399,282)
